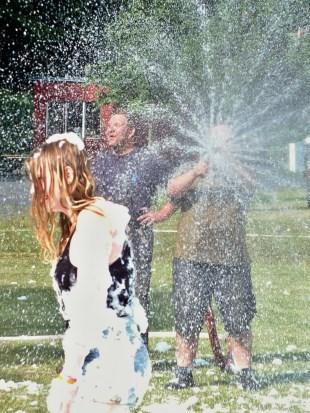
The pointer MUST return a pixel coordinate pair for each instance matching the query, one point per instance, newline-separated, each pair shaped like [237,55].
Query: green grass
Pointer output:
[280,273]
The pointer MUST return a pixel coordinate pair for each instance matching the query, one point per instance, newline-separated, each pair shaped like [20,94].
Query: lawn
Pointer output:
[278,241]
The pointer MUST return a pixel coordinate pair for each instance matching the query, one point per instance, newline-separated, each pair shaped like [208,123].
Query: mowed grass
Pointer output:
[278,241]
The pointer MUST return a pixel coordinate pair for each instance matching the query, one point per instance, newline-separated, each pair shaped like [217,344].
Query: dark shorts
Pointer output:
[194,285]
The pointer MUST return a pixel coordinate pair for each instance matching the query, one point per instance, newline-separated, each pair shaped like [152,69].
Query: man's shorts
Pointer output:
[194,285]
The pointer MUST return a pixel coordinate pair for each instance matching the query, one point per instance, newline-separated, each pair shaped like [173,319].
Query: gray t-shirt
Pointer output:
[131,179]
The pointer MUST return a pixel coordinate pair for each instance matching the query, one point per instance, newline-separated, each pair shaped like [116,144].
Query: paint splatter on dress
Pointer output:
[104,318]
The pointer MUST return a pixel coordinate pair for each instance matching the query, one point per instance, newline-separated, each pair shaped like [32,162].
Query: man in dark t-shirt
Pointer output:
[130,175]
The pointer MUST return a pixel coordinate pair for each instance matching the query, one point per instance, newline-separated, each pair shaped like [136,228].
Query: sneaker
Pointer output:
[183,379]
[248,380]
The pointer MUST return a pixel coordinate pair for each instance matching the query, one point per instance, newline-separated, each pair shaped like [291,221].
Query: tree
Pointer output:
[232,61]
[50,38]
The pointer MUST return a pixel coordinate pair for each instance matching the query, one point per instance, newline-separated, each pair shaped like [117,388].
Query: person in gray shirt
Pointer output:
[129,174]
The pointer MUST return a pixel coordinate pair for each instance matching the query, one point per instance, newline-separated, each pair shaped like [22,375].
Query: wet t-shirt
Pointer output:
[131,179]
[212,226]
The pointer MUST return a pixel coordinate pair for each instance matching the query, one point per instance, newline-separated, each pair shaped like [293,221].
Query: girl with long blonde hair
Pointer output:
[106,366]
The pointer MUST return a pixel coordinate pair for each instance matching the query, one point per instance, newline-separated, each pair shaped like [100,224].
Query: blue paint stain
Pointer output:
[141,360]
[131,330]
[105,333]
[92,355]
[132,397]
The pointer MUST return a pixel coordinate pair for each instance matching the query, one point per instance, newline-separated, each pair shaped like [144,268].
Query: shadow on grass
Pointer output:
[265,380]
[257,358]
[14,354]
[288,356]
[268,380]
[166,365]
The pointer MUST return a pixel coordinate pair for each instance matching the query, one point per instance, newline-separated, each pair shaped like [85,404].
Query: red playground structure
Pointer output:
[69,105]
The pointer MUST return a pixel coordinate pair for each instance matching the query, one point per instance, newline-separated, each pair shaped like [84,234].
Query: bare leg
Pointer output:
[185,354]
[240,349]
[185,351]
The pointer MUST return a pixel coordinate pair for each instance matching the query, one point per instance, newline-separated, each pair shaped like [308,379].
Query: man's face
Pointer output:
[117,130]
[220,138]
[221,133]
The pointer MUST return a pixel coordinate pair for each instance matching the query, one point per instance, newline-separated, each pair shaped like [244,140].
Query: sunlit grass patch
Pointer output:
[287,198]
[26,371]
[21,401]
[28,301]
[284,377]
[280,274]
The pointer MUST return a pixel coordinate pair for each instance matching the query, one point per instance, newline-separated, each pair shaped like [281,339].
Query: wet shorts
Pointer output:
[194,285]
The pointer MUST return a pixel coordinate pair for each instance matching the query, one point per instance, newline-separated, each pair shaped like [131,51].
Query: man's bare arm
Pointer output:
[181,183]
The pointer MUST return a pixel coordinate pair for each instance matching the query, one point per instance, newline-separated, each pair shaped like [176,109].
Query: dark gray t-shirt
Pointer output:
[131,179]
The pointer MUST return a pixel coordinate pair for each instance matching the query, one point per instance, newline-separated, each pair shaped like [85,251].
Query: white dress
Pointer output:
[103,348]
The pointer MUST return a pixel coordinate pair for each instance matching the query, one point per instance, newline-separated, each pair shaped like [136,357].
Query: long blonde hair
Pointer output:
[54,157]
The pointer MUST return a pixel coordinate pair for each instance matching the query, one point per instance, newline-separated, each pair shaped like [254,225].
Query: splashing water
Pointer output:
[240,66]
[236,64]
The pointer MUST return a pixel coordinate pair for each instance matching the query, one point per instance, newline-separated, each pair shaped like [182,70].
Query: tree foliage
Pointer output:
[240,62]
[50,38]
[15,122]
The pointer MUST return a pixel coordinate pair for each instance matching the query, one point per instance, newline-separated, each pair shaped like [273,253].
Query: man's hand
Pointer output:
[148,218]
[152,217]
